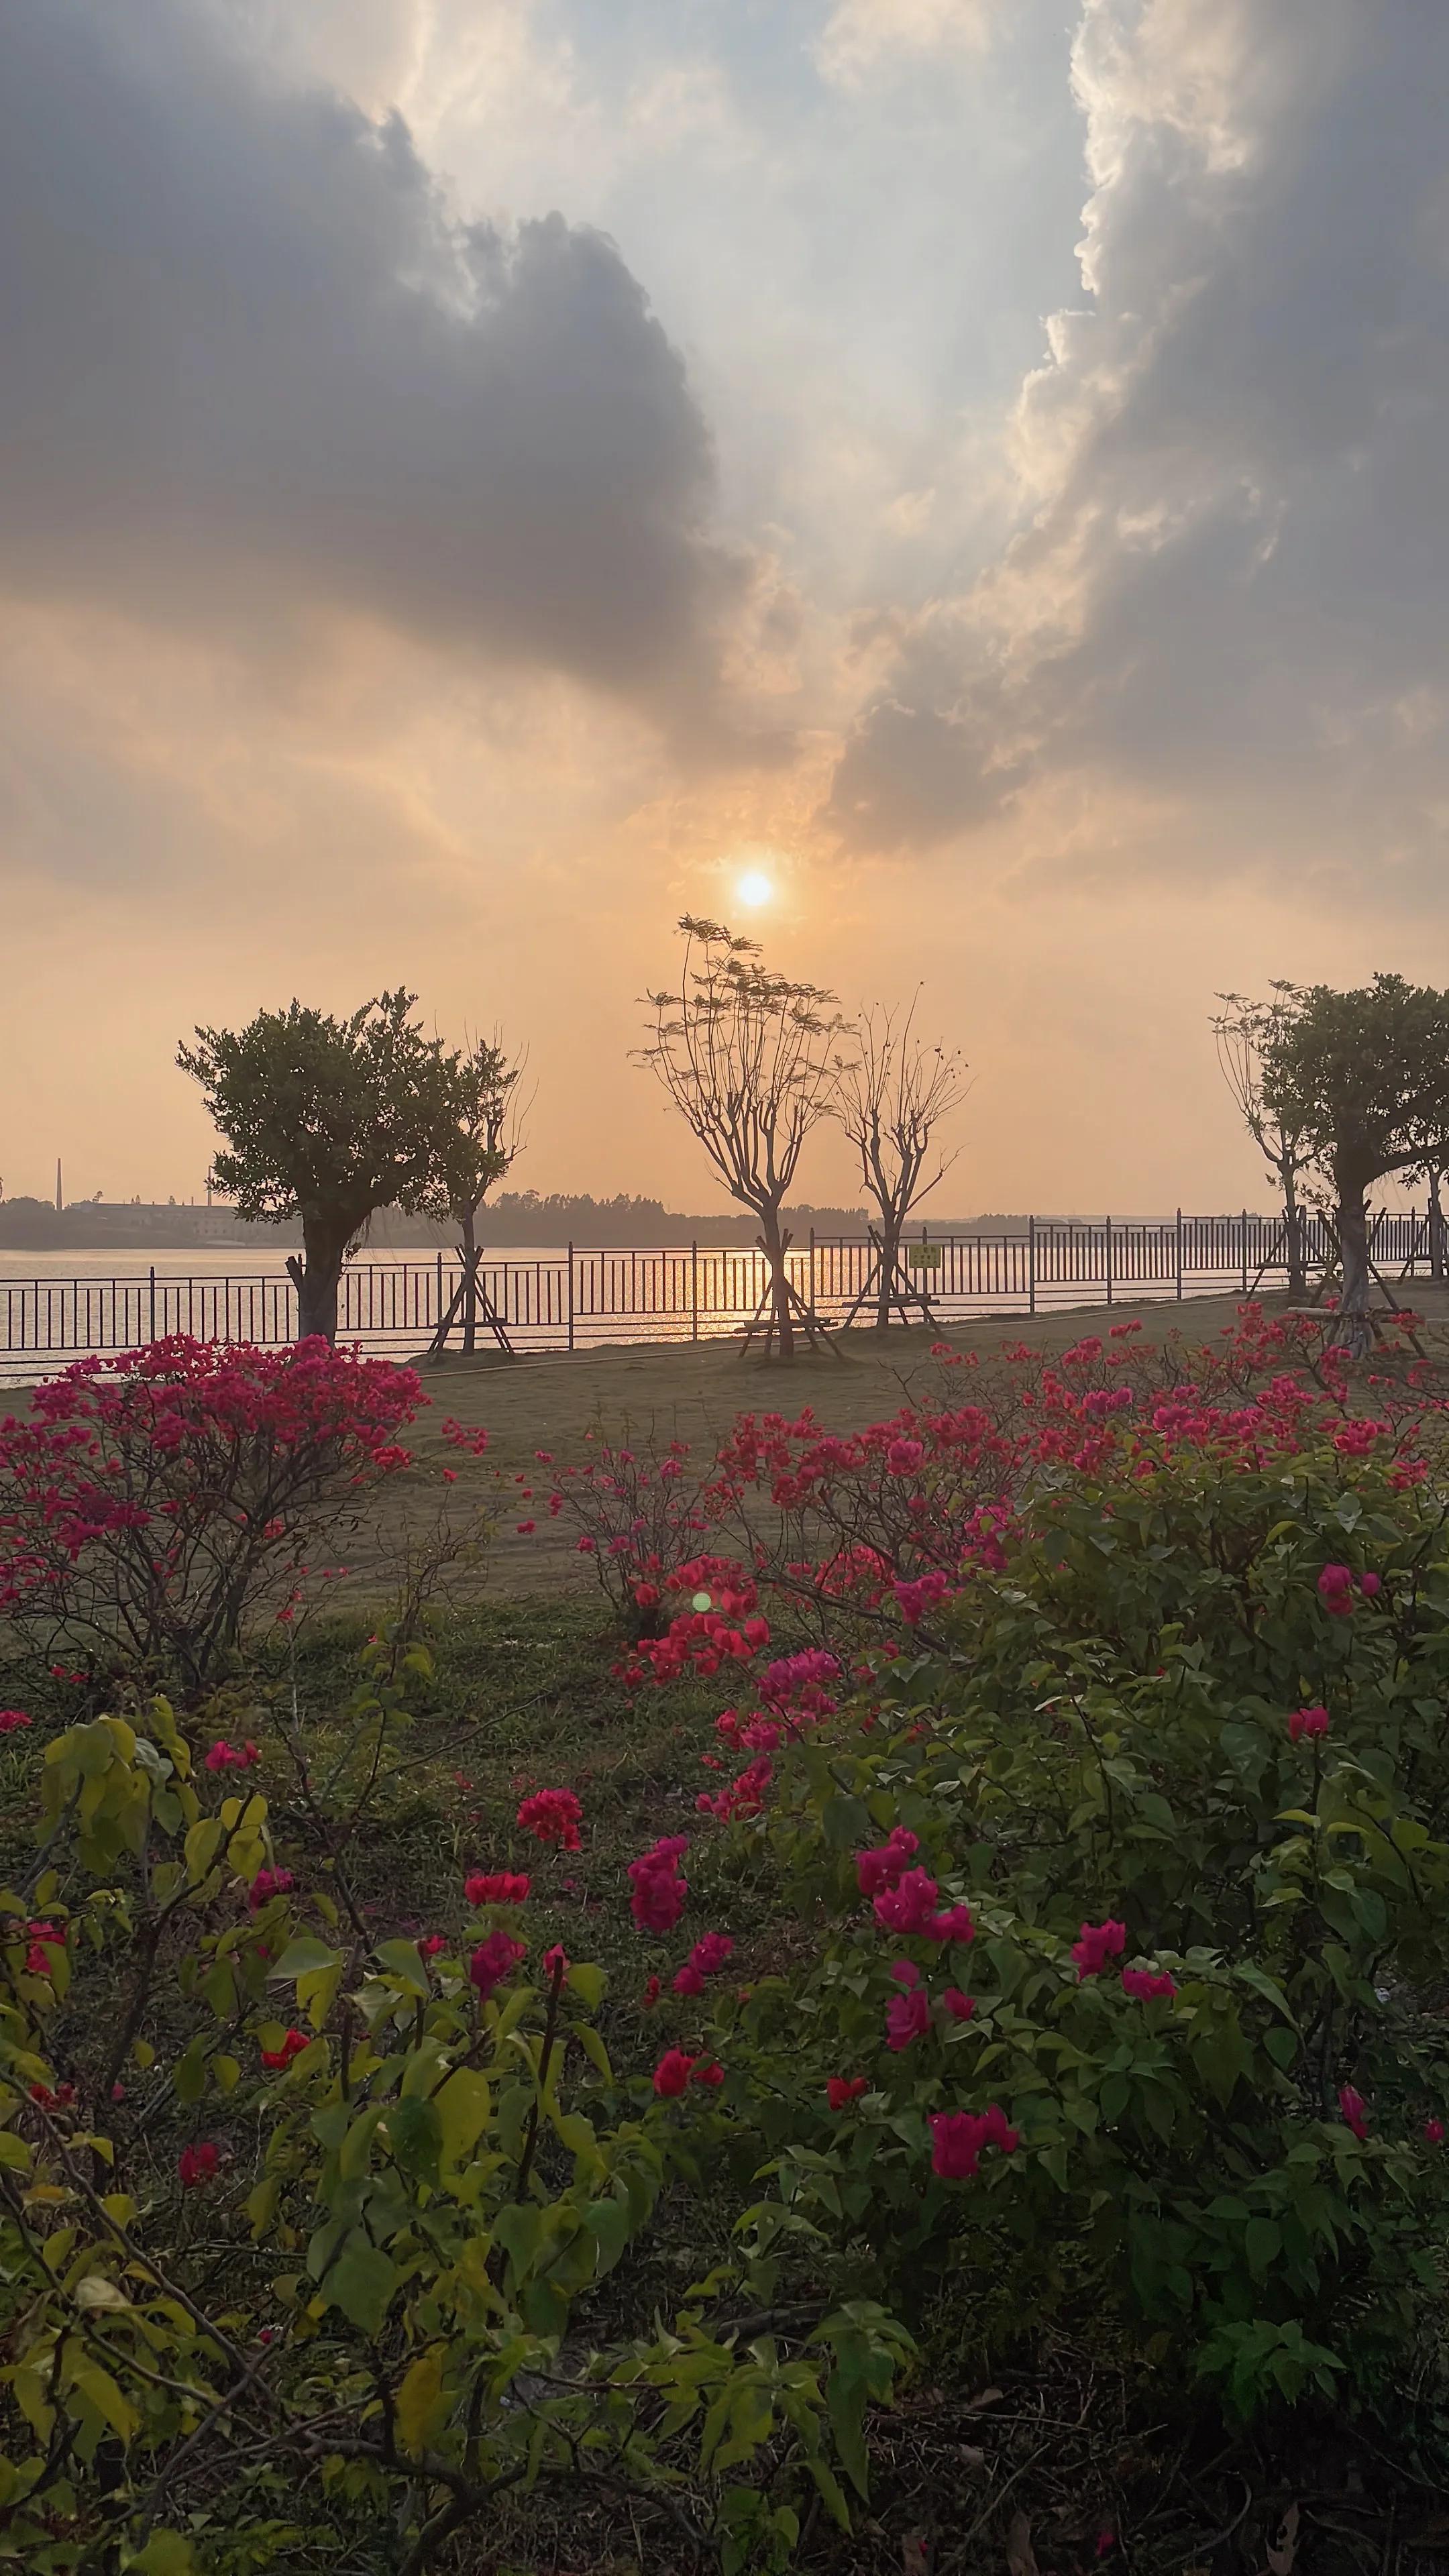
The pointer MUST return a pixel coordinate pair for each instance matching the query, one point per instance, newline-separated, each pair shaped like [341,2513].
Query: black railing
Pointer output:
[580,1297]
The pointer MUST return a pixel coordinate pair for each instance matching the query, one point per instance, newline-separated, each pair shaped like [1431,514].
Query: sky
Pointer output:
[482,478]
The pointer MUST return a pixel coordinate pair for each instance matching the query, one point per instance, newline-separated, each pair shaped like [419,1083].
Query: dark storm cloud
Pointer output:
[1230,594]
[251,366]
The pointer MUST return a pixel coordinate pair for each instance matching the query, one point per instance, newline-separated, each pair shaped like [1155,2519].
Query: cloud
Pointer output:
[1225,601]
[863,38]
[257,373]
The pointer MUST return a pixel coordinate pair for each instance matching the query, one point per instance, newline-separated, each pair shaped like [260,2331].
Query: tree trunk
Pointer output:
[890,1253]
[775,1247]
[1293,1222]
[1436,1230]
[317,1277]
[1356,1337]
[470,1282]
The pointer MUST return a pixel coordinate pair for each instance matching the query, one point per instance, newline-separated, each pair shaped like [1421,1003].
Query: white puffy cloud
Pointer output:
[1223,611]
[862,39]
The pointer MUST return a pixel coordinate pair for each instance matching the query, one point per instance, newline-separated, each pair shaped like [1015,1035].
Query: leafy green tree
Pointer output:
[328,1120]
[751,1064]
[1362,1078]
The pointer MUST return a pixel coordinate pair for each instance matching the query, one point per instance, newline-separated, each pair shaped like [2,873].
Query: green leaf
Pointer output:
[361,2282]
[608,2223]
[415,2137]
[401,1960]
[518,2228]
[167,2553]
[588,1983]
[304,1954]
[463,2107]
[418,2408]
[1262,2243]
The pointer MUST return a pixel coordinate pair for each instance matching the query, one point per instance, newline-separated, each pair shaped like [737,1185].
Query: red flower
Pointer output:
[198,2164]
[959,2006]
[958,2137]
[292,2046]
[231,1757]
[11,1718]
[1098,1942]
[496,1887]
[1145,1988]
[432,1943]
[1354,2109]
[651,1994]
[888,1863]
[556,1960]
[711,2074]
[1335,1591]
[493,1960]
[672,2074]
[1307,1721]
[552,1816]
[908,2017]
[1434,2133]
[842,2090]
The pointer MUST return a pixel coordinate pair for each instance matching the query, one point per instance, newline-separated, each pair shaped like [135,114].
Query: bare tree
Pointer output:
[1245,1033]
[490,1111]
[750,1061]
[892,1099]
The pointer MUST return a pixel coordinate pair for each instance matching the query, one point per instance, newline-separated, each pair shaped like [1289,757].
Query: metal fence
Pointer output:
[581,1297]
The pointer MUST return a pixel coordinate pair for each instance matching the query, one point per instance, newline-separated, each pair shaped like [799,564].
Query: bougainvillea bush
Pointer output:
[1124,1911]
[155,1501]
[305,2235]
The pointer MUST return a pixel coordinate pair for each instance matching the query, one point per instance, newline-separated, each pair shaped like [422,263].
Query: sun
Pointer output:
[754,889]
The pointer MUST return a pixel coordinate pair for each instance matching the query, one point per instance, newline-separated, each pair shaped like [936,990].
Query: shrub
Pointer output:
[156,1500]
[1127,1901]
[400,2171]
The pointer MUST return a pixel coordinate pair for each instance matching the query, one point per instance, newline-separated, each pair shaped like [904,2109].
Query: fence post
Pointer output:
[151,1336]
[1245,1252]
[1031,1265]
[1108,1245]
[1179,1256]
[812,1270]
[694,1292]
[571,1296]
[438,1317]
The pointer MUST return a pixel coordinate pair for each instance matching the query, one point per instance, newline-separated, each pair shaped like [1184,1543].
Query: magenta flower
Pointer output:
[1353,2109]
[888,1863]
[1145,1988]
[908,2018]
[958,2137]
[1307,1721]
[493,1960]
[1097,1943]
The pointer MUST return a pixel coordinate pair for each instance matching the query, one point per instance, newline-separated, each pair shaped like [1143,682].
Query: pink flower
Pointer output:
[43,1938]
[908,2018]
[231,1757]
[705,1960]
[1307,1721]
[1353,2109]
[496,1887]
[586,1547]
[432,1944]
[1369,1584]
[1434,2133]
[552,1816]
[556,1960]
[658,1891]
[842,2090]
[711,2074]
[1098,1943]
[958,2137]
[198,2164]
[650,1995]
[909,1905]
[493,1960]
[958,2005]
[887,1865]
[11,1718]
[672,2074]
[1335,1591]
[525,1527]
[266,1884]
[1145,1988]
[903,1457]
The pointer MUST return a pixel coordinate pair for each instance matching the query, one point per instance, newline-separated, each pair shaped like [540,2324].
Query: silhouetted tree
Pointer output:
[750,1061]
[490,1139]
[1244,1033]
[893,1096]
